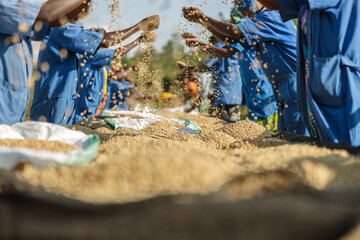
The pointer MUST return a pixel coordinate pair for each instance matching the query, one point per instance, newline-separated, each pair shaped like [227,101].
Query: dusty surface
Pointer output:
[157,161]
[52,146]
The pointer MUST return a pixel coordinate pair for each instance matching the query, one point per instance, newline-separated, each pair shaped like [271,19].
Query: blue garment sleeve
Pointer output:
[18,17]
[237,46]
[211,61]
[102,57]
[289,9]
[214,60]
[263,28]
[76,39]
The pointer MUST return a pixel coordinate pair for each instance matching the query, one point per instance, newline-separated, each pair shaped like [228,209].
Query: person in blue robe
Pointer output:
[119,91]
[57,89]
[73,86]
[328,65]
[21,22]
[95,77]
[120,88]
[239,65]
[274,44]
[227,84]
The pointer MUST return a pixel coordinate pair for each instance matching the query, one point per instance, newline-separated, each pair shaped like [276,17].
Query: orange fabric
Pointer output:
[104,99]
[102,105]
[192,87]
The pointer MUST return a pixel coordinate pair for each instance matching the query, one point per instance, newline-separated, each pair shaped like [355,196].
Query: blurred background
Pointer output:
[158,61]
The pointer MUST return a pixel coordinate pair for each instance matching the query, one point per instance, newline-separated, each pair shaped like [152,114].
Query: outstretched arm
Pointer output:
[121,51]
[223,38]
[194,14]
[113,38]
[146,37]
[184,66]
[219,36]
[229,30]
[147,24]
[121,75]
[225,52]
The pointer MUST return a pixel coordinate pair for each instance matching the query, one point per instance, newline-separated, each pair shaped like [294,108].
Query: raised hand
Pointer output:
[193,14]
[181,65]
[194,42]
[188,35]
[130,80]
[150,23]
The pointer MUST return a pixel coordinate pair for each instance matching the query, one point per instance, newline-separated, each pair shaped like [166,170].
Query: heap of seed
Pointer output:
[135,165]
[217,139]
[165,129]
[41,145]
[245,130]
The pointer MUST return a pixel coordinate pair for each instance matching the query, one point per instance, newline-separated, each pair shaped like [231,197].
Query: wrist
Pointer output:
[202,44]
[205,20]
[137,27]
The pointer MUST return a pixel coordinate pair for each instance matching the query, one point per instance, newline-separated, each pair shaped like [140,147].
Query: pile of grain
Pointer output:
[245,130]
[130,169]
[164,129]
[217,139]
[132,165]
[41,145]
[206,123]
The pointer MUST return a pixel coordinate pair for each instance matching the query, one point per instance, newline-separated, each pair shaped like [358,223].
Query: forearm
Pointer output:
[223,38]
[270,4]
[121,51]
[122,75]
[229,30]
[216,51]
[113,38]
[201,68]
[53,10]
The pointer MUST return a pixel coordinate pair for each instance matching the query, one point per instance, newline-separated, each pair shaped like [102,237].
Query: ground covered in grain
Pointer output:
[159,160]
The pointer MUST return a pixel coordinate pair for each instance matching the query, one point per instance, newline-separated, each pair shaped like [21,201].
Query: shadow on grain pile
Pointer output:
[300,216]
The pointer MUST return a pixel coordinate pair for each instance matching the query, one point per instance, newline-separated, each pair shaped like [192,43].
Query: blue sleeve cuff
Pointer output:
[95,44]
[103,57]
[246,40]
[237,46]
[76,39]
[211,61]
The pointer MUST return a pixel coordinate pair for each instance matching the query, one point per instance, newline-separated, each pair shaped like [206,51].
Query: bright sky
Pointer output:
[169,10]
